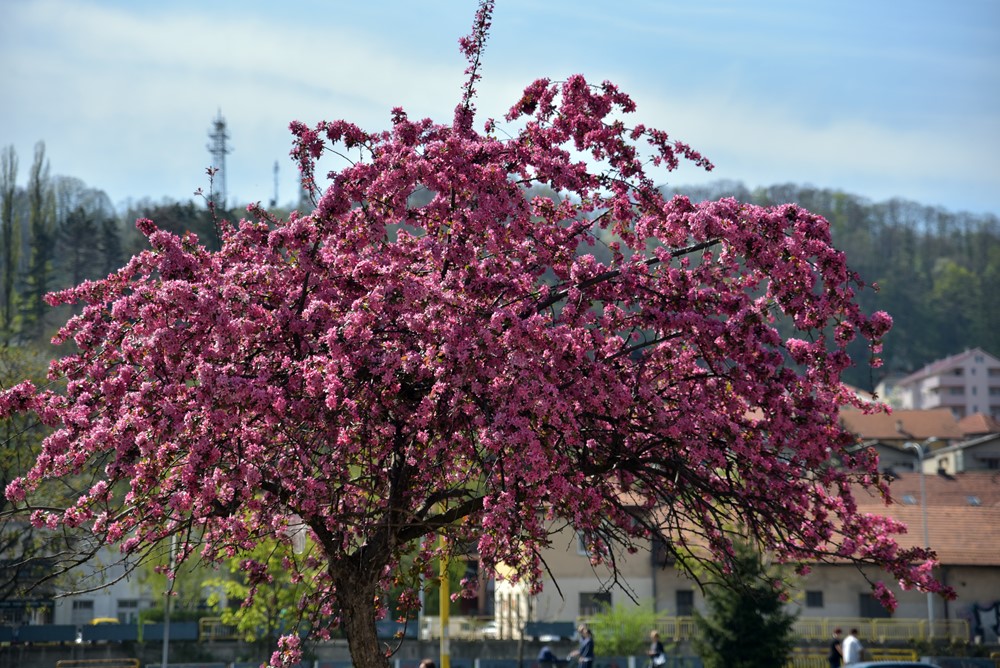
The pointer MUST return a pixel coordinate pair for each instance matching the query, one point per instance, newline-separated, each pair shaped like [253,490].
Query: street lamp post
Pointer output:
[919,449]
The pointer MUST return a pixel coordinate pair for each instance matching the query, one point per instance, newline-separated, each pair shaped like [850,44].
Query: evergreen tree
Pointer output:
[112,255]
[41,222]
[77,241]
[747,625]
[8,239]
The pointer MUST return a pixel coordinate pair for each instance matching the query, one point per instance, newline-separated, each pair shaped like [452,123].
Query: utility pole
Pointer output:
[920,449]
[219,149]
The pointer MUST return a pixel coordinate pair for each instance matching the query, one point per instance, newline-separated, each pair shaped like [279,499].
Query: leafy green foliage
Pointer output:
[623,630]
[23,549]
[260,610]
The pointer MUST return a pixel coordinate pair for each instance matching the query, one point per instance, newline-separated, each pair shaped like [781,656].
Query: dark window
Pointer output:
[814,599]
[685,602]
[661,554]
[871,608]
[594,603]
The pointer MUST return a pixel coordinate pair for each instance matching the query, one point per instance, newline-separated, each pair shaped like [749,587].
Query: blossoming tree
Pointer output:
[385,373]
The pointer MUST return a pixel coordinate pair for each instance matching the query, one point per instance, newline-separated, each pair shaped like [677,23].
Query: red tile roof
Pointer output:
[978,424]
[963,515]
[916,425]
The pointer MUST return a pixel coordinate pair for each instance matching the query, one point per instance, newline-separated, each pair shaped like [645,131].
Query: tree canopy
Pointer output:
[386,372]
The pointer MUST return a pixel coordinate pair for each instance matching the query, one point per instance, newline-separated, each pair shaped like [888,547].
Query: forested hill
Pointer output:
[938,271]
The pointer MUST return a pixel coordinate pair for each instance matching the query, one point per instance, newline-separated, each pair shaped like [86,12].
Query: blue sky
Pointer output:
[876,97]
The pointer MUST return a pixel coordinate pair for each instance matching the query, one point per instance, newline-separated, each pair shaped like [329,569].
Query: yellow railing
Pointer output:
[675,628]
[814,657]
[891,654]
[98,663]
[881,630]
[874,631]
[212,628]
[808,658]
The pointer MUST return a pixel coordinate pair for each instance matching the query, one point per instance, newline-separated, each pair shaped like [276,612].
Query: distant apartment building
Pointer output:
[966,383]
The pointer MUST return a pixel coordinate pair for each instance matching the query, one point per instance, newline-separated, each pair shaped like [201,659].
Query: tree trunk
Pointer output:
[357,603]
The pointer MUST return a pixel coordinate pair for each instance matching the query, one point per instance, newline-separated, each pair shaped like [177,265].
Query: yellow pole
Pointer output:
[444,604]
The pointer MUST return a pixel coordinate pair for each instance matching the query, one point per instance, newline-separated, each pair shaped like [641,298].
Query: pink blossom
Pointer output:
[469,369]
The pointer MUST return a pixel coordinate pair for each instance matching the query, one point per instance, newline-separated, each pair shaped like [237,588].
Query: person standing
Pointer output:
[656,653]
[585,652]
[836,657]
[852,648]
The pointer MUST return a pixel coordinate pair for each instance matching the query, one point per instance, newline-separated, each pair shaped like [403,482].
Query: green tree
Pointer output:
[41,225]
[172,216]
[112,255]
[261,605]
[24,553]
[747,625]
[623,630]
[76,237]
[9,240]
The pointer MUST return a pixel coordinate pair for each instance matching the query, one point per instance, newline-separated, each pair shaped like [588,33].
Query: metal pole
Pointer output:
[927,542]
[919,448]
[166,609]
[444,602]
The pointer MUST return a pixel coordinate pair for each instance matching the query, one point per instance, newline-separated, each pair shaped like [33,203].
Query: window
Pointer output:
[814,599]
[991,463]
[83,611]
[128,610]
[685,602]
[594,603]
[958,371]
[660,553]
[995,391]
[956,390]
[871,608]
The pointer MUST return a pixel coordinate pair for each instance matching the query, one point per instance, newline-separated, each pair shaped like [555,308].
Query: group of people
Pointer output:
[846,651]
[843,651]
[584,653]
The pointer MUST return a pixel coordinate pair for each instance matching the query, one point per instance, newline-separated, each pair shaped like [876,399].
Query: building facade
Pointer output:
[966,383]
[963,526]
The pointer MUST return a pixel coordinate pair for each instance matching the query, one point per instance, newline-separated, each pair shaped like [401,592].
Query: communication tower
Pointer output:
[219,149]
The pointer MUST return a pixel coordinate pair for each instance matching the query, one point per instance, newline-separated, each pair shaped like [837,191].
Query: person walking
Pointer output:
[851,648]
[836,657]
[657,657]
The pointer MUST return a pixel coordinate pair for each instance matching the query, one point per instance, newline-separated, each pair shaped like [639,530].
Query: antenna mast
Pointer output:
[219,148]
[274,201]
